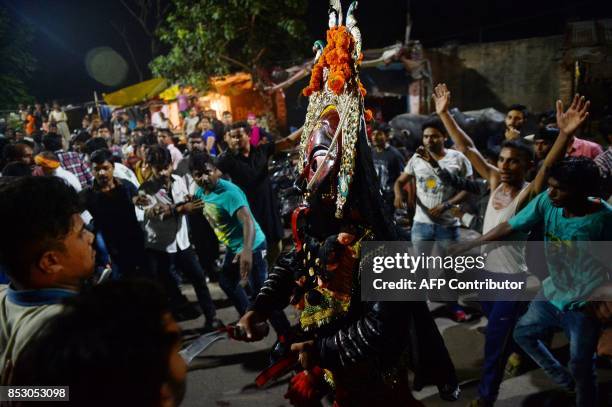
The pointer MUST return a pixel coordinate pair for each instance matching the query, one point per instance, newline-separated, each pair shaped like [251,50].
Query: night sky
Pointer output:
[65,31]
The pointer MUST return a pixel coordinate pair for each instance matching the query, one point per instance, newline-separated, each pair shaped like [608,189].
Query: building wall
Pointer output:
[498,74]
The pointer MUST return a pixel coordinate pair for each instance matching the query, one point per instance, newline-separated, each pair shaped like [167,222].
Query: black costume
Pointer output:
[365,348]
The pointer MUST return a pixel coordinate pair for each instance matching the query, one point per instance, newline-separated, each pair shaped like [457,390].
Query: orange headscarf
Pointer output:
[46,162]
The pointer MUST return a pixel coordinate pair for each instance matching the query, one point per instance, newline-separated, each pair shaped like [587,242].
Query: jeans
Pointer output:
[430,232]
[229,280]
[434,232]
[502,317]
[185,260]
[539,322]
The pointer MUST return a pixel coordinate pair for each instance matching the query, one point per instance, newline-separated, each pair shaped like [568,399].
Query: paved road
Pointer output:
[224,374]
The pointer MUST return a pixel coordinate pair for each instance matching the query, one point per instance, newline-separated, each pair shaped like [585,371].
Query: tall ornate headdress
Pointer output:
[335,82]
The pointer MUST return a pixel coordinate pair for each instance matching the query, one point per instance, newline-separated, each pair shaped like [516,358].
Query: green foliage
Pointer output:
[16,63]
[216,37]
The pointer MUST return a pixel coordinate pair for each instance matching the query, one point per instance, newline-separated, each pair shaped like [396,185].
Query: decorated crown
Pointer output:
[335,82]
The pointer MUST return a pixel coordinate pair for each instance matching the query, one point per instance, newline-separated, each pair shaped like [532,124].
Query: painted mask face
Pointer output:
[321,156]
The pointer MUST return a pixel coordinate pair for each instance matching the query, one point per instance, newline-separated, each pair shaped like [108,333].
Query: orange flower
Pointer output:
[337,58]
[336,83]
[368,115]
[362,89]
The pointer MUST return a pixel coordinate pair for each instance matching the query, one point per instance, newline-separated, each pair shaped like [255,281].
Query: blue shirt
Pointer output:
[221,207]
[574,272]
[205,136]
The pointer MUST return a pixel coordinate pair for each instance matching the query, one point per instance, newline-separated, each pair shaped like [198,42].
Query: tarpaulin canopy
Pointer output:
[170,94]
[138,93]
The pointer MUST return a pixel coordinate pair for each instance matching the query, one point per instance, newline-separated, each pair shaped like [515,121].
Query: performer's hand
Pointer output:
[441,97]
[307,354]
[248,322]
[245,260]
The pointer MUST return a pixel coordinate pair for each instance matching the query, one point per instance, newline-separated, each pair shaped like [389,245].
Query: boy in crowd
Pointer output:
[227,210]
[165,139]
[167,236]
[248,168]
[543,141]
[569,214]
[388,163]
[509,193]
[46,252]
[70,160]
[514,121]
[111,203]
[119,335]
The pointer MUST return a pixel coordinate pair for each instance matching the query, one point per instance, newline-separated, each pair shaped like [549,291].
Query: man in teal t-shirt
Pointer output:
[227,210]
[571,218]
[223,205]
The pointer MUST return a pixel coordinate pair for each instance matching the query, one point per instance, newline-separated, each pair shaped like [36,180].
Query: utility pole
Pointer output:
[408,24]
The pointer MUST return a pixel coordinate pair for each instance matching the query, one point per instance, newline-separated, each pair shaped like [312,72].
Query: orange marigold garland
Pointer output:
[337,58]
[362,89]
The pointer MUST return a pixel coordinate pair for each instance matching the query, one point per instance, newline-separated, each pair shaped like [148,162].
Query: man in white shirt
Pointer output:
[433,220]
[433,197]
[166,233]
[159,120]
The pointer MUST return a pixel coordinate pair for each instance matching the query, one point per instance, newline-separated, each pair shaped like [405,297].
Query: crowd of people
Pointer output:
[154,203]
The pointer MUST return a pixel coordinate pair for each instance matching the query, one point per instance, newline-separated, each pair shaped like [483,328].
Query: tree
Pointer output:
[16,63]
[211,37]
[149,14]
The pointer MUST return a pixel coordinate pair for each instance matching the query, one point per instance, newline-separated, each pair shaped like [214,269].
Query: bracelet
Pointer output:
[447,205]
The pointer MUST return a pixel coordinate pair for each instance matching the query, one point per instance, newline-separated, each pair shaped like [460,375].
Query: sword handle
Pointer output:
[237,331]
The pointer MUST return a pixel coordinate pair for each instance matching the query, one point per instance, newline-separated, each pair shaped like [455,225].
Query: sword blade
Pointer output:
[201,344]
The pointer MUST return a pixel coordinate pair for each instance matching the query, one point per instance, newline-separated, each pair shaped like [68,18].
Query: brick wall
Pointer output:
[499,74]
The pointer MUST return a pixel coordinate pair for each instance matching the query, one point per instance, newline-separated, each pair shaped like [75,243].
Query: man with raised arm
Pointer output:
[509,193]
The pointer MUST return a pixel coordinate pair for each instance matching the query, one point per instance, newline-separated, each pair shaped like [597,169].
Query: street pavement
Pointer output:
[224,374]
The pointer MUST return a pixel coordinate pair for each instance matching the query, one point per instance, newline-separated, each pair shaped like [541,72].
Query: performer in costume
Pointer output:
[359,350]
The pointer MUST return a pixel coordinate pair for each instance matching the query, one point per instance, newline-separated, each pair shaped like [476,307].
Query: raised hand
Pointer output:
[441,97]
[575,115]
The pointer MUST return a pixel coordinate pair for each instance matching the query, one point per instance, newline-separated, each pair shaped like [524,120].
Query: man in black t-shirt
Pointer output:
[248,168]
[388,163]
[111,204]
